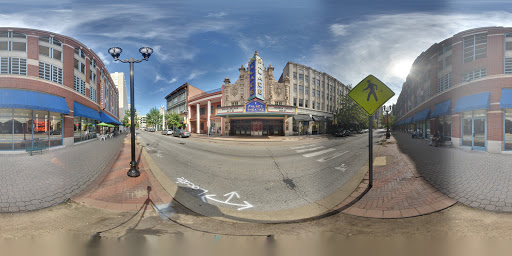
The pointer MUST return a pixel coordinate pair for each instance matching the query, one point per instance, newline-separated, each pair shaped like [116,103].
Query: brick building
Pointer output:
[52,89]
[462,87]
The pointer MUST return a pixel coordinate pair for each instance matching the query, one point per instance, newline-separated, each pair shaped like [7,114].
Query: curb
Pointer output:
[325,207]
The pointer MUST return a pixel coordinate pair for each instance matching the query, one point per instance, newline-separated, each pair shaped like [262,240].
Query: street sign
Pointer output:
[370,94]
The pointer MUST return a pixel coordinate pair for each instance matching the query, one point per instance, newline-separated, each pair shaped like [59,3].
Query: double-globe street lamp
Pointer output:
[388,135]
[146,52]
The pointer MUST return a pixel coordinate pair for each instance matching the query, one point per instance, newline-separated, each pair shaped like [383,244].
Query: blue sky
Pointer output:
[202,42]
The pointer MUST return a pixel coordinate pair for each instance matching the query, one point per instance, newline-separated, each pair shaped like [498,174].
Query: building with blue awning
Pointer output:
[51,91]
[468,89]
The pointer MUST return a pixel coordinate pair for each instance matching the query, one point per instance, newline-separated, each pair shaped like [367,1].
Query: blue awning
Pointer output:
[442,109]
[108,119]
[83,111]
[13,98]
[506,98]
[408,120]
[422,115]
[473,101]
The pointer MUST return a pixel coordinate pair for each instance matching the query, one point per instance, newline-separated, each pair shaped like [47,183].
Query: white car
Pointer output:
[167,132]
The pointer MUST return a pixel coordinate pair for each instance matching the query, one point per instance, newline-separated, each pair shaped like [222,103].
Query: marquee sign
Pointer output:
[228,110]
[256,79]
[255,106]
[282,109]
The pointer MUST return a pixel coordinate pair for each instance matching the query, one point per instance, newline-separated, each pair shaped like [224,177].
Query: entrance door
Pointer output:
[256,128]
[474,130]
[479,133]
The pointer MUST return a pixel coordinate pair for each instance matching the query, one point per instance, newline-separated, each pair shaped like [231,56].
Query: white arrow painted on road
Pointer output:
[341,168]
[231,194]
[244,206]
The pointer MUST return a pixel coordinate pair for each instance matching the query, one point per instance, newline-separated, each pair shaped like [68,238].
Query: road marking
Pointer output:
[341,168]
[337,154]
[230,195]
[304,146]
[308,149]
[319,152]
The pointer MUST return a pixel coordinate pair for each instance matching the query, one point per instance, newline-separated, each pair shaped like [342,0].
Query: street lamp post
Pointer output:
[387,121]
[146,52]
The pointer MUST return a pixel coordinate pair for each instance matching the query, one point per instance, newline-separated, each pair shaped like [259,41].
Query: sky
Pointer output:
[203,42]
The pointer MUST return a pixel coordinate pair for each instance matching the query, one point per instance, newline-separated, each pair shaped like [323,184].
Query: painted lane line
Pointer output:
[304,146]
[244,206]
[323,159]
[308,149]
[319,152]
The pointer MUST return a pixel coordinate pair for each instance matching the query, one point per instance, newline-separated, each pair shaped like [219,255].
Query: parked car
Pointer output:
[181,133]
[346,133]
[338,133]
[167,132]
[151,129]
[360,131]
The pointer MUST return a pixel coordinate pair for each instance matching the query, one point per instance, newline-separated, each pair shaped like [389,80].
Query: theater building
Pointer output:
[53,89]
[462,87]
[256,104]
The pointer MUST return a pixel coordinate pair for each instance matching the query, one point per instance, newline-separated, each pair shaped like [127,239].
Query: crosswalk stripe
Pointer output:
[309,149]
[319,152]
[337,154]
[304,146]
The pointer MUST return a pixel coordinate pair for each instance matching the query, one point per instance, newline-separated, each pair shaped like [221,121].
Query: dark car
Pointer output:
[181,133]
[346,133]
[338,133]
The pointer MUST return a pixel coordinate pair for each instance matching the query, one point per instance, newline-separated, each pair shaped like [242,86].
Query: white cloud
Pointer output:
[387,45]
[216,14]
[104,58]
[339,29]
[196,73]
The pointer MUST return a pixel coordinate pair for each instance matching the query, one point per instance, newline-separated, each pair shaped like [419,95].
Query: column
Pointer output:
[189,128]
[208,117]
[198,122]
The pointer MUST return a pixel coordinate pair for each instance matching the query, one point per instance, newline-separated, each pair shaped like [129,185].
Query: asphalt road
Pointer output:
[267,176]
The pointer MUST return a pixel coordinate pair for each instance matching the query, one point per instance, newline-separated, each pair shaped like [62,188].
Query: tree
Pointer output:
[350,114]
[153,117]
[390,120]
[127,118]
[173,120]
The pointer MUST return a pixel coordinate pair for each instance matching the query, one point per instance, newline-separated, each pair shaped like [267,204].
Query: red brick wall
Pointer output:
[68,58]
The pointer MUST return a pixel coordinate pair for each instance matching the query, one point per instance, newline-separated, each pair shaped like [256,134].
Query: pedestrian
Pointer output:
[435,138]
[415,134]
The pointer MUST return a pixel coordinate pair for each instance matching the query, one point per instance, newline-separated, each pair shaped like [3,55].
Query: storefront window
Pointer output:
[22,131]
[77,128]
[508,129]
[41,131]
[55,129]
[447,128]
[467,129]
[6,129]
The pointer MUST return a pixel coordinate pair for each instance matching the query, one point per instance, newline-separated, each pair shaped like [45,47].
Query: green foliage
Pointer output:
[154,117]
[173,120]
[350,114]
[126,118]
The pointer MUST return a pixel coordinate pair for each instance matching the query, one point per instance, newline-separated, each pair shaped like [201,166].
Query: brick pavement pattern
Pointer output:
[114,190]
[398,190]
[478,179]
[43,180]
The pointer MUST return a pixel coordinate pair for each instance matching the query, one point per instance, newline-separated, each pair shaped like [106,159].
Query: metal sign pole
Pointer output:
[370,151]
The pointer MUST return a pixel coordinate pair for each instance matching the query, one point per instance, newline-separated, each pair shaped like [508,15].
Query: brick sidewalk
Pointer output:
[398,190]
[114,190]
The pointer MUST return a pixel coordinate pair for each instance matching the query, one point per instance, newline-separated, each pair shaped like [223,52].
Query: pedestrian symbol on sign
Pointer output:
[372,88]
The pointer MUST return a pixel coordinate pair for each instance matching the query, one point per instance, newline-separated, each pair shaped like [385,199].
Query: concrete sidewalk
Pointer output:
[43,180]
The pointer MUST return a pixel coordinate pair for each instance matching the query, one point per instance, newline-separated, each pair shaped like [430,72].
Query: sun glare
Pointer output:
[401,68]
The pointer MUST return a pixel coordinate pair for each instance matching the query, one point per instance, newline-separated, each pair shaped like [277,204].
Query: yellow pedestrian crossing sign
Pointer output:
[370,94]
